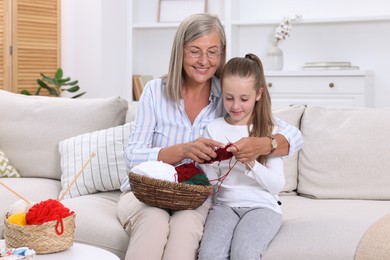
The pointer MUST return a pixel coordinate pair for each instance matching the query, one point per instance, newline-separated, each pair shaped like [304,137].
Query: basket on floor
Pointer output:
[167,194]
[42,238]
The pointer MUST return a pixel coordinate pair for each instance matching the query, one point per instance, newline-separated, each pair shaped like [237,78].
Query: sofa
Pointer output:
[336,192]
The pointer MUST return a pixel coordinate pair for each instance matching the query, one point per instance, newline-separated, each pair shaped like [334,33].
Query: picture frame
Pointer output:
[176,10]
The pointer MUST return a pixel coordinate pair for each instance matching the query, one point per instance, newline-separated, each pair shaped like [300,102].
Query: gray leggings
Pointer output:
[238,233]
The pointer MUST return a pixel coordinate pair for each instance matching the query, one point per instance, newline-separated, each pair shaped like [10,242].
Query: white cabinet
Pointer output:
[321,88]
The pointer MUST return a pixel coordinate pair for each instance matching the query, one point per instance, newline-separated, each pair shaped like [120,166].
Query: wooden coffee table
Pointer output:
[76,252]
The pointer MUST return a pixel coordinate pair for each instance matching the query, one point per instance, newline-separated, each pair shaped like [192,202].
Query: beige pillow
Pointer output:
[346,154]
[291,115]
[31,127]
[6,169]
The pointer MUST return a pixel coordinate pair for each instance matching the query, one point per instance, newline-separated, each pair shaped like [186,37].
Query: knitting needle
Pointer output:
[14,192]
[77,175]
[250,167]
[228,139]
[273,195]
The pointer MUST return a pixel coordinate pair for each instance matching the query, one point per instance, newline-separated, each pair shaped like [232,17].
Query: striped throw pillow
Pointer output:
[6,169]
[104,172]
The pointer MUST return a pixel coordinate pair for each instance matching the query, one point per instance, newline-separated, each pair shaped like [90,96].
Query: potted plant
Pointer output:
[59,84]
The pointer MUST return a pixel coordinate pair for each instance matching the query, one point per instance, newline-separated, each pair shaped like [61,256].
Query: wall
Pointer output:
[94,46]
[96,38]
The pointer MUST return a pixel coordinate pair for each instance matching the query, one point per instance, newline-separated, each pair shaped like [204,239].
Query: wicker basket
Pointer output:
[167,194]
[42,238]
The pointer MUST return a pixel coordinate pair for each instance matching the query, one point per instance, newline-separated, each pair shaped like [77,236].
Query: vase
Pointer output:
[275,58]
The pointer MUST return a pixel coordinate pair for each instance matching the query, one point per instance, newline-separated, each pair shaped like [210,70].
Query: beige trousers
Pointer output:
[156,235]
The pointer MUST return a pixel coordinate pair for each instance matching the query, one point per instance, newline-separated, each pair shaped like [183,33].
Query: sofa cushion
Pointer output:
[131,112]
[32,126]
[104,172]
[6,169]
[323,229]
[346,153]
[97,222]
[291,115]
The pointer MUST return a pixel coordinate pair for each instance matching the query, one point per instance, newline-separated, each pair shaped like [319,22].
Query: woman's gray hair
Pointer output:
[190,29]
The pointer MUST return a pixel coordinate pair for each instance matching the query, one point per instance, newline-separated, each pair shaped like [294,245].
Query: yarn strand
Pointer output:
[222,154]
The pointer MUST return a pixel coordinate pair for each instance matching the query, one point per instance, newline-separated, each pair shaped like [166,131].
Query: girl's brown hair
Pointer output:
[262,119]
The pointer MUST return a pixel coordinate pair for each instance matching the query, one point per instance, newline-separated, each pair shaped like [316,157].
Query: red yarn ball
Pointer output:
[46,211]
[186,171]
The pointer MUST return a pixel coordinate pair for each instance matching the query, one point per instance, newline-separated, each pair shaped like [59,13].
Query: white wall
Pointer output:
[94,46]
[96,39]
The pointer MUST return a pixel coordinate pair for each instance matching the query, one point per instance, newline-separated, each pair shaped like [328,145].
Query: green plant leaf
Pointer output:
[79,95]
[38,91]
[72,89]
[59,74]
[62,81]
[25,92]
[51,90]
[72,83]
[48,79]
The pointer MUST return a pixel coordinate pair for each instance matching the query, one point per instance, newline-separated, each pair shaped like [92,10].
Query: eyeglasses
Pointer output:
[197,53]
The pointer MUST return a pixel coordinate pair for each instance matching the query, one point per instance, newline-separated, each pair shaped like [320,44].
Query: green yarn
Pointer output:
[198,179]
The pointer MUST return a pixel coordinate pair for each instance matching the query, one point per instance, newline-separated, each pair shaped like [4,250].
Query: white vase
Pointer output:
[275,58]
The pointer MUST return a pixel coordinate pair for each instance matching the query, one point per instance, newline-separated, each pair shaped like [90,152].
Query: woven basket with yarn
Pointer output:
[42,238]
[166,194]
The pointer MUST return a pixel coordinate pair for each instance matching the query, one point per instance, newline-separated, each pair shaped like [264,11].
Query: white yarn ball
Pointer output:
[20,206]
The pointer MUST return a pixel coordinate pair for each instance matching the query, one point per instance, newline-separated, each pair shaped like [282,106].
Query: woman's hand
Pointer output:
[202,149]
[247,149]
[199,150]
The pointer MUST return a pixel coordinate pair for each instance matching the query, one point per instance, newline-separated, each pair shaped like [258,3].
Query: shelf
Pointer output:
[314,21]
[313,73]
[155,25]
[272,22]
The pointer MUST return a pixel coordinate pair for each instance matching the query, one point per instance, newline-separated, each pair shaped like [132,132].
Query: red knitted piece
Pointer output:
[187,171]
[48,210]
[222,154]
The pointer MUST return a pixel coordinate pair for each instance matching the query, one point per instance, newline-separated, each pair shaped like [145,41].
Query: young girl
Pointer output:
[245,215]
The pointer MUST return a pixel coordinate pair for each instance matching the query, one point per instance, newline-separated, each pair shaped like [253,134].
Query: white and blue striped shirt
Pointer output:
[160,123]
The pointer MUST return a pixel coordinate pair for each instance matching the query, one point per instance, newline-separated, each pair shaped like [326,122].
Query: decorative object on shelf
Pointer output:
[139,82]
[275,58]
[329,65]
[282,32]
[58,87]
[177,10]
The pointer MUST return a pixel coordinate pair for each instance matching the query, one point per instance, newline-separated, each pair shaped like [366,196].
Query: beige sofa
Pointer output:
[336,188]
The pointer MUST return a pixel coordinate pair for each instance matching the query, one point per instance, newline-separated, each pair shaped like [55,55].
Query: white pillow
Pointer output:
[105,171]
[291,115]
[346,153]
